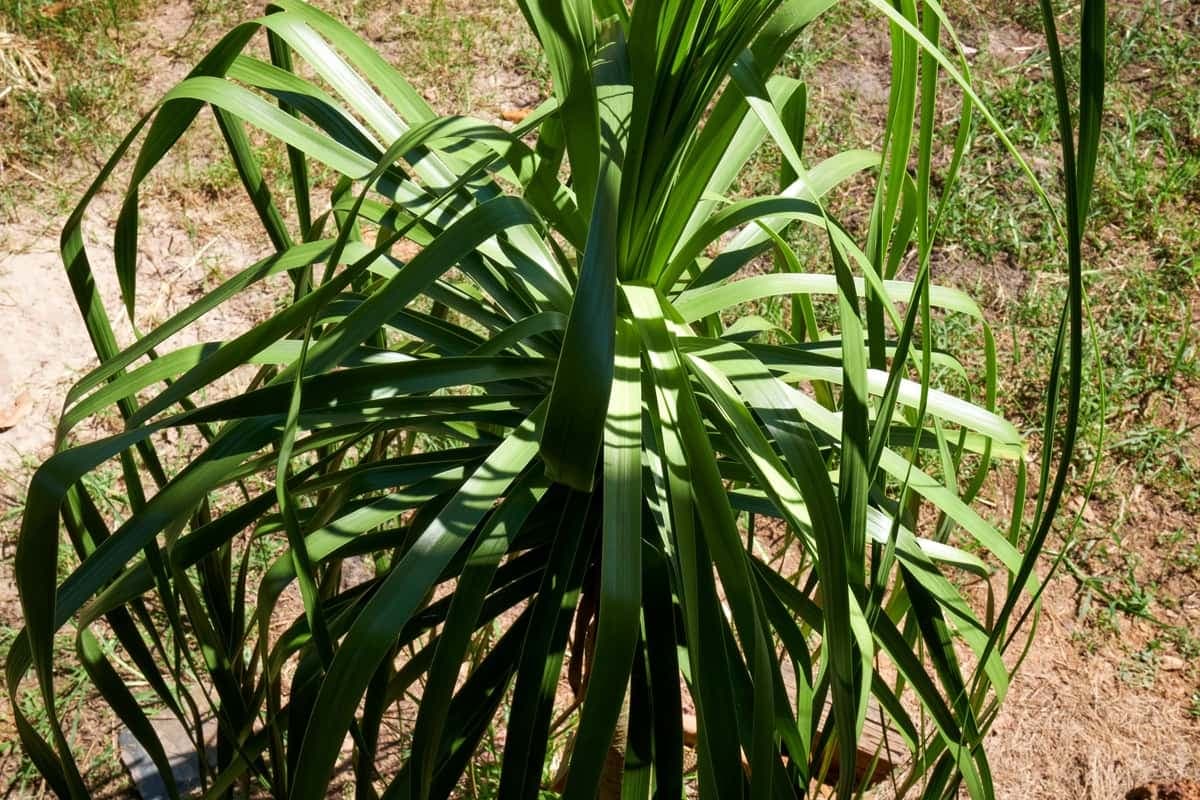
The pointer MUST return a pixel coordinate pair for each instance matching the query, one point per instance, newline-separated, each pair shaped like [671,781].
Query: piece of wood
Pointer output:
[880,749]
[180,752]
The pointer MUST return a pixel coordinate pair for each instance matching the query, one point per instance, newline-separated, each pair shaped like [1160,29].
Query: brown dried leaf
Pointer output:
[514,114]
[16,411]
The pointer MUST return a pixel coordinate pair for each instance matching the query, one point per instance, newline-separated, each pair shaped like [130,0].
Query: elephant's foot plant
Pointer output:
[555,431]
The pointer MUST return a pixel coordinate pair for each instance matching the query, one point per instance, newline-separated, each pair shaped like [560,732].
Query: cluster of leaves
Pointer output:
[553,417]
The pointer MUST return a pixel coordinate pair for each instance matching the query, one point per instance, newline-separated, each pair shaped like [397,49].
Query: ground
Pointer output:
[1109,697]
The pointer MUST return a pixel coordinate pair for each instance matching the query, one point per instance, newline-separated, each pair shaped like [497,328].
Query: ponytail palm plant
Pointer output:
[555,431]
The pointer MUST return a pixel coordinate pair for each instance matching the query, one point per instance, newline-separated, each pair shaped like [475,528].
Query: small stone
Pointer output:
[1171,663]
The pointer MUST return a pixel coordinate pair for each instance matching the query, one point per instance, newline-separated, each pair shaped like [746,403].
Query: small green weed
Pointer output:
[85,97]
